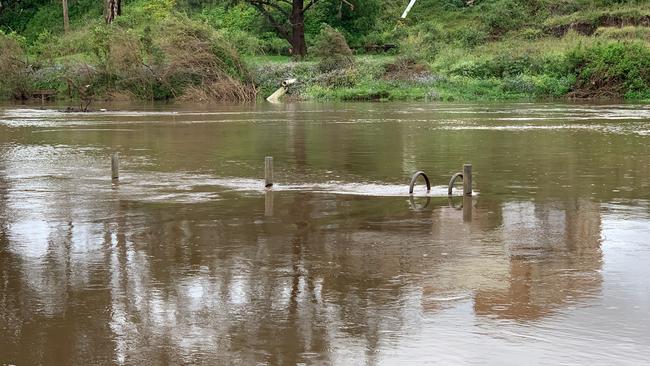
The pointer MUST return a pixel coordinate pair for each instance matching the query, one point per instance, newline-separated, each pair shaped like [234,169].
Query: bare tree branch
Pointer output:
[274,23]
[309,5]
[270,4]
[348,4]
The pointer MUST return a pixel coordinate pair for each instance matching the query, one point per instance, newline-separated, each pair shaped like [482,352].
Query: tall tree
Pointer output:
[66,18]
[287,17]
[112,8]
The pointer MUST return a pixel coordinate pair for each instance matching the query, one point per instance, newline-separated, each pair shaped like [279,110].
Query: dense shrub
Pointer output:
[467,36]
[331,49]
[14,68]
[406,68]
[273,45]
[503,15]
[505,65]
[173,58]
[353,18]
[339,78]
[268,77]
[624,33]
[612,69]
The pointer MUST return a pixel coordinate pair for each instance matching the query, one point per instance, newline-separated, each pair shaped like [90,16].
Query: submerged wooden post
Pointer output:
[115,166]
[268,172]
[467,179]
[268,203]
[467,208]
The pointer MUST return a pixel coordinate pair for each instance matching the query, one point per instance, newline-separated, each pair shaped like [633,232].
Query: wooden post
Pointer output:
[268,203]
[115,166]
[467,179]
[467,208]
[66,18]
[268,172]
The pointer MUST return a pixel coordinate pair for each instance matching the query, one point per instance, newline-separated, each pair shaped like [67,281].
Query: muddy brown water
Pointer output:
[188,260]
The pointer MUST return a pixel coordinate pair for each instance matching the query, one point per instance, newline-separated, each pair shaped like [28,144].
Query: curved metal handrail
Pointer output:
[418,207]
[415,178]
[453,180]
[457,207]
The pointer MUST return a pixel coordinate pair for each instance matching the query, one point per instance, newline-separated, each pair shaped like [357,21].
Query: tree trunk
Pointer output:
[297,21]
[66,18]
[112,9]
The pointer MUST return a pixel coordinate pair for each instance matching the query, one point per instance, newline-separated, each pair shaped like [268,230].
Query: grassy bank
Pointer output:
[154,53]
[445,50]
[574,66]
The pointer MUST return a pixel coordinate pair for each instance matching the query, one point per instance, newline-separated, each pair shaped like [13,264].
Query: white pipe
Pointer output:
[288,82]
[408,8]
[275,97]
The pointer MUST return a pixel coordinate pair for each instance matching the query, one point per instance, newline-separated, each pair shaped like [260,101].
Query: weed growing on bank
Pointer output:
[456,50]
[171,58]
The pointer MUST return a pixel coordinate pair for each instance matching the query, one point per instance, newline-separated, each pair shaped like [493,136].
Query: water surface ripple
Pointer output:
[188,259]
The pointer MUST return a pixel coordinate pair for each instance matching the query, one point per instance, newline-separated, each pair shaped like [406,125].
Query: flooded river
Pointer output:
[188,260]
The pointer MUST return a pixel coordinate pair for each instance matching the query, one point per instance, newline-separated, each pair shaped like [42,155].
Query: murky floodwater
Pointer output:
[188,260]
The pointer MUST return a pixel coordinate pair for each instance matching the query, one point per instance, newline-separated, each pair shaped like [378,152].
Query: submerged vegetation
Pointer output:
[357,50]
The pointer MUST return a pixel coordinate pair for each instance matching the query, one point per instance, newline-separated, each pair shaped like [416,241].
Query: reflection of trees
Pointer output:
[10,286]
[221,282]
[555,259]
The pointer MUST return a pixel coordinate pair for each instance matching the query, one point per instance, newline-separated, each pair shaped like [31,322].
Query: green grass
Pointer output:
[494,50]
[593,16]
[267,59]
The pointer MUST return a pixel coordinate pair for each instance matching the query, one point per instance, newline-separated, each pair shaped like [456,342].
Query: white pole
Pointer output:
[408,8]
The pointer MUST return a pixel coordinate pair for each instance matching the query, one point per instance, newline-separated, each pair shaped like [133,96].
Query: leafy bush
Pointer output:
[467,36]
[552,86]
[339,78]
[503,15]
[331,49]
[418,46]
[240,17]
[529,34]
[624,33]
[505,65]
[406,68]
[273,45]
[172,58]
[612,69]
[353,18]
[268,77]
[14,69]
[244,42]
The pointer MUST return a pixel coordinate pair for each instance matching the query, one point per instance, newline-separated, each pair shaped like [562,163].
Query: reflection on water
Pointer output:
[188,261]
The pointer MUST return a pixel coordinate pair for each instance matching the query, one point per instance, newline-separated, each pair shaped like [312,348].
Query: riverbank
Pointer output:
[485,52]
[572,67]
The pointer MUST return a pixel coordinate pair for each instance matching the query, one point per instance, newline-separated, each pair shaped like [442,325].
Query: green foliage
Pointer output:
[506,65]
[239,17]
[274,45]
[15,80]
[503,15]
[624,33]
[354,19]
[612,69]
[243,26]
[445,49]
[268,76]
[244,42]
[331,49]
[31,18]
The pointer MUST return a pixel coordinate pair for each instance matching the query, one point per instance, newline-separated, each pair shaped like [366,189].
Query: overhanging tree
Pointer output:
[112,8]
[66,18]
[287,17]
